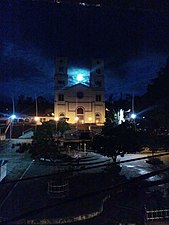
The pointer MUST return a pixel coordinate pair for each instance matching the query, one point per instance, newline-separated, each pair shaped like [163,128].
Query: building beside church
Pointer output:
[80,103]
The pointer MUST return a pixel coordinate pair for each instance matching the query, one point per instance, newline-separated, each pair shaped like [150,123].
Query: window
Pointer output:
[79,111]
[61,69]
[61,114]
[97,117]
[79,94]
[98,98]
[98,83]
[61,82]
[61,97]
[98,71]
[80,115]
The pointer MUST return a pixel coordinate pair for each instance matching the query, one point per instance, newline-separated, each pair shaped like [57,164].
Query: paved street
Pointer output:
[17,162]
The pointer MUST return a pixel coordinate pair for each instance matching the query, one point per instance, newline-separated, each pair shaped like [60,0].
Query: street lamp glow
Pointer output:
[36,118]
[79,77]
[133,116]
[56,118]
[76,118]
[13,117]
[90,119]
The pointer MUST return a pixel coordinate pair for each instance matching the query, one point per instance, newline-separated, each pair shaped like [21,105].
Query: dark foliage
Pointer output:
[117,140]
[62,126]
[27,105]
[43,139]
[157,98]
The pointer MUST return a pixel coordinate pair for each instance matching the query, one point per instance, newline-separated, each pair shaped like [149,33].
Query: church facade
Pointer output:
[79,103]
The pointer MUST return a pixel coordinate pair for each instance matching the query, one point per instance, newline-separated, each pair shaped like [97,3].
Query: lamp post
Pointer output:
[12,117]
[36,118]
[133,115]
[11,122]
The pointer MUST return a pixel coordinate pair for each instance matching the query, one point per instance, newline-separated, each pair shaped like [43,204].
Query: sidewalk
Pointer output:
[17,164]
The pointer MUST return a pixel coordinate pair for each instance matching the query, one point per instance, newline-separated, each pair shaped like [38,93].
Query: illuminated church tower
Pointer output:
[80,103]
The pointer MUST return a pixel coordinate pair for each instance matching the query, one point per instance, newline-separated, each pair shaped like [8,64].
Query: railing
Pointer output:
[159,214]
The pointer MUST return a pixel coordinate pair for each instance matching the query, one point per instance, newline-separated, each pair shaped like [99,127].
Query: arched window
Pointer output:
[61,115]
[80,114]
[79,111]
[97,118]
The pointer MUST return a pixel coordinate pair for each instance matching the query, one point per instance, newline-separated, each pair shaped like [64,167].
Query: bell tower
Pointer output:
[61,81]
[97,74]
[61,76]
[97,87]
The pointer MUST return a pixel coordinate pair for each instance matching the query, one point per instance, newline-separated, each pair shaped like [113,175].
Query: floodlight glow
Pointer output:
[13,117]
[76,118]
[90,119]
[79,77]
[133,116]
[36,118]
[56,119]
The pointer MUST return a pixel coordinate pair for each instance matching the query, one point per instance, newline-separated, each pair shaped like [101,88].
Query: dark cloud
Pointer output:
[134,75]
[133,43]
[22,63]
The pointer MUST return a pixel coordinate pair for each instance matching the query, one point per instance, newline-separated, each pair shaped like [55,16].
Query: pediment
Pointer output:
[79,87]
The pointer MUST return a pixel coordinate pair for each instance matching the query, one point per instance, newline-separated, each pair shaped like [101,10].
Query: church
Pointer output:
[80,103]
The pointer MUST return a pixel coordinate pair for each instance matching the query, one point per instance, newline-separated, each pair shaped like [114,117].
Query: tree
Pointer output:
[62,126]
[27,105]
[44,105]
[158,89]
[43,139]
[118,140]
[157,97]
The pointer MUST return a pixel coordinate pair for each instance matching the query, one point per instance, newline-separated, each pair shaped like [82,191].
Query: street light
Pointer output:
[36,118]
[56,119]
[76,118]
[133,116]
[12,117]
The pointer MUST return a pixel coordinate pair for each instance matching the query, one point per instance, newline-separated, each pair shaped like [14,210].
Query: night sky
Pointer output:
[133,43]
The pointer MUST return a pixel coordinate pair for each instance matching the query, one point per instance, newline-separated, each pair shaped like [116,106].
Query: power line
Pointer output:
[73,199]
